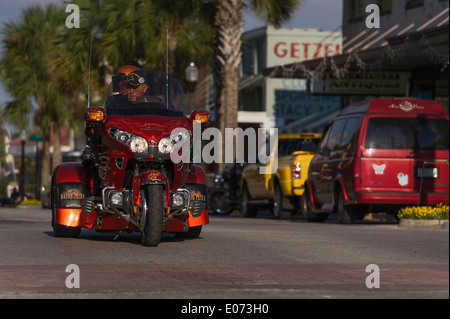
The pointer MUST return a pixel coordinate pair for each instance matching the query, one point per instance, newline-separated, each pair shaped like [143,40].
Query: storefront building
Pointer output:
[276,102]
[405,52]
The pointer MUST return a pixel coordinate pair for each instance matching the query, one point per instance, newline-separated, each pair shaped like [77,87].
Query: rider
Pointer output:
[119,81]
[142,90]
[137,86]
[120,90]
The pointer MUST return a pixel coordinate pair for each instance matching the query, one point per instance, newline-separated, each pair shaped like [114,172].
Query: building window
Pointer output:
[252,58]
[251,100]
[358,9]
[414,3]
[385,6]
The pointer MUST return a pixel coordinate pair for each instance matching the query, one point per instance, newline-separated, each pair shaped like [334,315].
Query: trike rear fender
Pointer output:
[196,176]
[70,173]
[196,184]
[69,188]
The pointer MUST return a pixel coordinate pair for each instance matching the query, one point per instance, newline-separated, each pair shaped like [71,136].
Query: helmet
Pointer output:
[121,75]
[127,69]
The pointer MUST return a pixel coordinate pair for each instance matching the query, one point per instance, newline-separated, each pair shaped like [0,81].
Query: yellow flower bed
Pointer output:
[31,202]
[424,212]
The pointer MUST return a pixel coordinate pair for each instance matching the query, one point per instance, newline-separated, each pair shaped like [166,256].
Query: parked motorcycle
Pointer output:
[134,184]
[224,196]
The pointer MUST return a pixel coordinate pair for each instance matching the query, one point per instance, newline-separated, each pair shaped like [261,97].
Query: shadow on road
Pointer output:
[371,218]
[130,238]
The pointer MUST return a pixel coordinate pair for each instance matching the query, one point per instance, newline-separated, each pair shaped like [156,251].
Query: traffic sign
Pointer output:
[36,138]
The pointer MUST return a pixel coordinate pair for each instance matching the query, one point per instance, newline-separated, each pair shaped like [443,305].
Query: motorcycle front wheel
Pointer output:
[219,204]
[154,217]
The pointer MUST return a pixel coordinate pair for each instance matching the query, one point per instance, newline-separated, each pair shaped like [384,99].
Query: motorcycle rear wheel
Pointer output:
[154,220]
[219,204]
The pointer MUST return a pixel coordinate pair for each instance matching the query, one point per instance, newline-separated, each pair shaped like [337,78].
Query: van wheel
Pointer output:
[248,210]
[346,214]
[278,198]
[305,207]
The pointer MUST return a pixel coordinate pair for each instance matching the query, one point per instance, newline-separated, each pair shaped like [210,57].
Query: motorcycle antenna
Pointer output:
[167,68]
[89,80]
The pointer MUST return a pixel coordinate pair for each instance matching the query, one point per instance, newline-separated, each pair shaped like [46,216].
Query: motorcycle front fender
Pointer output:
[150,177]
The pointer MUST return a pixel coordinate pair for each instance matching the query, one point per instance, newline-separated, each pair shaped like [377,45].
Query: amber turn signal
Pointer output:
[202,118]
[95,116]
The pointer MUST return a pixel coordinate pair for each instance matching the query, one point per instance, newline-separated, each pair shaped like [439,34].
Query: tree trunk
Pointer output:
[45,168]
[229,22]
[57,154]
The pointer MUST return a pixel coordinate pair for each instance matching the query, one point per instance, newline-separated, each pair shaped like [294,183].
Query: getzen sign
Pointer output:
[286,46]
[306,50]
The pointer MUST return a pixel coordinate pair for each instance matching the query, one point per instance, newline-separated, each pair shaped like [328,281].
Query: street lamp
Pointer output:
[23,138]
[191,81]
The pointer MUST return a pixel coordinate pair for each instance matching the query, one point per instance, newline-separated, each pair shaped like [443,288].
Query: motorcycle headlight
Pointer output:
[182,137]
[136,143]
[167,144]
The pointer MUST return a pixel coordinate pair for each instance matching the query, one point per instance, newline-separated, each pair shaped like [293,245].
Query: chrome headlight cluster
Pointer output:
[136,143]
[167,144]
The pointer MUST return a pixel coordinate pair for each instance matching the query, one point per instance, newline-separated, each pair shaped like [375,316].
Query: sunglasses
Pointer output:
[132,86]
[119,77]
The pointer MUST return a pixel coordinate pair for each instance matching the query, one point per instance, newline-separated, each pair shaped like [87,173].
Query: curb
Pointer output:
[416,223]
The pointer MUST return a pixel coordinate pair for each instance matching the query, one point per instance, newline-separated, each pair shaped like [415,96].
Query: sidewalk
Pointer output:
[415,223]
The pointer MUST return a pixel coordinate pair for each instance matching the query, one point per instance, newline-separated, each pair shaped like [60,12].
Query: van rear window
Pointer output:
[419,133]
[289,146]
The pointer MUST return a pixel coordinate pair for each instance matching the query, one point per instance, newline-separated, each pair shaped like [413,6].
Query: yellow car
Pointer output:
[280,190]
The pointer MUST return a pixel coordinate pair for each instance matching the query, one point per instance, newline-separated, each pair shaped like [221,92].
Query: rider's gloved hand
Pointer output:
[87,157]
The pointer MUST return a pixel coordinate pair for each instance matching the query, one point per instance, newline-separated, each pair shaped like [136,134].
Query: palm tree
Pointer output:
[229,23]
[137,32]
[70,55]
[25,73]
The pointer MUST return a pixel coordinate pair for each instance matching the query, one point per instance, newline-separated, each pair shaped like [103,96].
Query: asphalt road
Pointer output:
[234,258]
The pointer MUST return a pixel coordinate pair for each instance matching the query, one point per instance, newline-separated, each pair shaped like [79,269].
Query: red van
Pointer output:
[379,156]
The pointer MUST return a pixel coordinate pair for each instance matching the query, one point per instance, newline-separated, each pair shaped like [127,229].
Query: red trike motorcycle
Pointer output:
[142,178]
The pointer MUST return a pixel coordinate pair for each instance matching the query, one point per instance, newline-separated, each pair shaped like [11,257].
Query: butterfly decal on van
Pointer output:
[379,169]
[402,179]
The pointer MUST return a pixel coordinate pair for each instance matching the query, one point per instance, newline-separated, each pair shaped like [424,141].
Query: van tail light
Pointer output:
[357,171]
[297,171]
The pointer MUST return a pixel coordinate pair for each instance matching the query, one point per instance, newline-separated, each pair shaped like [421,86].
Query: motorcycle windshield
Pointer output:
[164,97]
